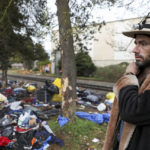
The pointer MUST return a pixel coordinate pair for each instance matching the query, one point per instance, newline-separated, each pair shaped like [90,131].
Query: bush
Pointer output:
[110,73]
[44,62]
[36,69]
[84,64]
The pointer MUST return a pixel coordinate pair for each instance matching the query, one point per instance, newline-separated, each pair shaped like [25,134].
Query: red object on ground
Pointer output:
[29,100]
[4,141]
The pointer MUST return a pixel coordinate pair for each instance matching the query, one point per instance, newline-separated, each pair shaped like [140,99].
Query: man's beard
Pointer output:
[143,64]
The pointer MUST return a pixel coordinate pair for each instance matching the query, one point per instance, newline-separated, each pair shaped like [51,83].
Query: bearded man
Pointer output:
[129,125]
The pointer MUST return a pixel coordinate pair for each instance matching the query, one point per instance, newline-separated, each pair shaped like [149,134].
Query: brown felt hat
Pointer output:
[142,28]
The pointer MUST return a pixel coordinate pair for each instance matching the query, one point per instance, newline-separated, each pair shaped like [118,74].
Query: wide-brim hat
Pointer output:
[133,33]
[142,28]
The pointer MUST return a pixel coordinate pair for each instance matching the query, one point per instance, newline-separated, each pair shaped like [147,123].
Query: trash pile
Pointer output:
[26,108]
[24,118]
[100,102]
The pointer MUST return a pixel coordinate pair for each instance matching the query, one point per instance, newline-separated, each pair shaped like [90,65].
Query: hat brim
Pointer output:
[133,33]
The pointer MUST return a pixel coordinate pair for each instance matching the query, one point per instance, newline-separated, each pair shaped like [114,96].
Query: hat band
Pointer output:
[144,26]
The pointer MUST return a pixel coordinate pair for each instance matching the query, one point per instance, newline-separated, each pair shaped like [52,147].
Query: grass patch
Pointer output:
[79,134]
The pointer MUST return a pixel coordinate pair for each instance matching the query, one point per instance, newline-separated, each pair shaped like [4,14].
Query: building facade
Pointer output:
[110,46]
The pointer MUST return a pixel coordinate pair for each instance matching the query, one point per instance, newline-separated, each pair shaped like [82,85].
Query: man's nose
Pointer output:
[136,49]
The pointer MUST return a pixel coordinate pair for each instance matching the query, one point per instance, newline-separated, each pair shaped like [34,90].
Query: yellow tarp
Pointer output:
[57,82]
[57,97]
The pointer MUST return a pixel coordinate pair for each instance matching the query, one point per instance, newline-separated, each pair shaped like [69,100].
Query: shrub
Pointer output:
[84,64]
[36,69]
[110,73]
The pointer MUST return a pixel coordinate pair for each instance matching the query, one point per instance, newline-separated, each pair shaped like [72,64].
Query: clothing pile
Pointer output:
[24,121]
[90,99]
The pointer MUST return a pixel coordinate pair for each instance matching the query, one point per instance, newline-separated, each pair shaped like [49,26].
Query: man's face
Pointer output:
[142,51]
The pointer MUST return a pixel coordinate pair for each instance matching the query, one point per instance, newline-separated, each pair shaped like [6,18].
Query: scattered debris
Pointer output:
[95,140]
[25,110]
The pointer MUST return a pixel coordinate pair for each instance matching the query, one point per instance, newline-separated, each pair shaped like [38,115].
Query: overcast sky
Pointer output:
[137,9]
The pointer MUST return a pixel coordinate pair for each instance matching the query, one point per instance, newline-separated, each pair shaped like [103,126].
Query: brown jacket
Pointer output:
[114,123]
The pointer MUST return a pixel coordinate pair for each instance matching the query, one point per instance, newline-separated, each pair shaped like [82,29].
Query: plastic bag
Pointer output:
[31,88]
[101,107]
[50,87]
[2,97]
[110,96]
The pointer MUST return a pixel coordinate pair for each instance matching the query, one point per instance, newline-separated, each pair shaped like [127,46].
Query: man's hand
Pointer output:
[132,68]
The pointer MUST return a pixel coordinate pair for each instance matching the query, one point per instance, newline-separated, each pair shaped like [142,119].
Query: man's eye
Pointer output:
[143,44]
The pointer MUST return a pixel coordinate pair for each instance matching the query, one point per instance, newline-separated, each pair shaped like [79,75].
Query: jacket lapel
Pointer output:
[114,122]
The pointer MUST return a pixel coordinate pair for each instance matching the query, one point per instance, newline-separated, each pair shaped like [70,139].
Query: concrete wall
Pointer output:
[111,46]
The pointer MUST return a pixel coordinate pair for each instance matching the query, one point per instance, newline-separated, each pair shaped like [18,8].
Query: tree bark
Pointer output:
[68,59]
[4,78]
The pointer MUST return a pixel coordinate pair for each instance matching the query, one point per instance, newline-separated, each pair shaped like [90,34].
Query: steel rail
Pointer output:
[96,85]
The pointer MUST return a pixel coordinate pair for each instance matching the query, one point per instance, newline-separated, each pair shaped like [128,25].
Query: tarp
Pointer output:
[62,120]
[98,118]
[57,97]
[106,117]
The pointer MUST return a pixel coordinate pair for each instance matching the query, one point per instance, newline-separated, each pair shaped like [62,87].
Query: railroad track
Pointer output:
[89,84]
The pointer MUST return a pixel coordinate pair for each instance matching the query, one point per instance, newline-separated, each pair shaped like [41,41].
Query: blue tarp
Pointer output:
[106,117]
[98,118]
[62,120]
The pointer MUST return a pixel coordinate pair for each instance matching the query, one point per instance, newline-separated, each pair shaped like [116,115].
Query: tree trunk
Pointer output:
[28,64]
[4,78]
[68,59]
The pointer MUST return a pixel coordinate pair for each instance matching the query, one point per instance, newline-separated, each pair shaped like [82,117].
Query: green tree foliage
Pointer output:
[17,17]
[30,52]
[84,64]
[8,36]
[40,53]
[43,62]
